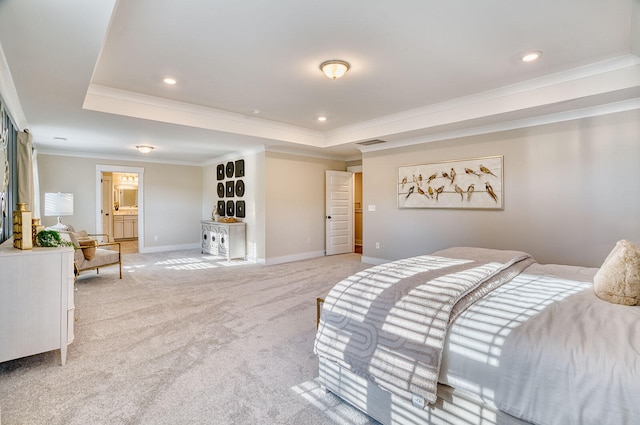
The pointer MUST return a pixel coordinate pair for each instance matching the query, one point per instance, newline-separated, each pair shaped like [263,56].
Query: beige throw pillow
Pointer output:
[618,280]
[88,246]
[76,236]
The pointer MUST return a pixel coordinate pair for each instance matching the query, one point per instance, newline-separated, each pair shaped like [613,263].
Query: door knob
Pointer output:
[329,217]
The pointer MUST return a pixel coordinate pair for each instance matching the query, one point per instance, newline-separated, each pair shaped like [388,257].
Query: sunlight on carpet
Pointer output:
[192,263]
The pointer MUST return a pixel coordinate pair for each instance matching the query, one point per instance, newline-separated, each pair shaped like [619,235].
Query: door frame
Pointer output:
[355,169]
[100,168]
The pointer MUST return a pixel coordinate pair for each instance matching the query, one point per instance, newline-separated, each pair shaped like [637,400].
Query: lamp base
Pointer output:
[60,227]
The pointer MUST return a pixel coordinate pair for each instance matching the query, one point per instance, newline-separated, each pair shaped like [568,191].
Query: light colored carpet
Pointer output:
[186,338]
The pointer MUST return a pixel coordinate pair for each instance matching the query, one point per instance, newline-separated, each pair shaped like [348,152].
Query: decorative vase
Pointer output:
[215,216]
[22,233]
[35,229]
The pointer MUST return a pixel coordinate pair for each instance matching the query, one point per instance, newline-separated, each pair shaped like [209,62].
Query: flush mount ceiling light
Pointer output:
[322,119]
[144,148]
[531,56]
[170,81]
[334,68]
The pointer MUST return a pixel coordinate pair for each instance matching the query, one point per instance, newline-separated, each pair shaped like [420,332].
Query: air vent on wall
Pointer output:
[371,142]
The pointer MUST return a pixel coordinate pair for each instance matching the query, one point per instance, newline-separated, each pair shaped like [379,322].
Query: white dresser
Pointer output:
[36,301]
[224,239]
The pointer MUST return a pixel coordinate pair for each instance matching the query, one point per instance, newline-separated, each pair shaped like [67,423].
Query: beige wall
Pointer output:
[172,197]
[295,206]
[570,192]
[569,189]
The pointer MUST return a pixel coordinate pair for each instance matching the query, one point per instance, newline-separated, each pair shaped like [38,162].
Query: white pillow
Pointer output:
[618,280]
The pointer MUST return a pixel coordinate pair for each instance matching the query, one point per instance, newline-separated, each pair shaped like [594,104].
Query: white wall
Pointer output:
[570,192]
[172,197]
[254,197]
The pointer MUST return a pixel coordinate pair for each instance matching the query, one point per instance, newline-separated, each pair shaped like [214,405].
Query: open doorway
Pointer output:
[357,212]
[120,206]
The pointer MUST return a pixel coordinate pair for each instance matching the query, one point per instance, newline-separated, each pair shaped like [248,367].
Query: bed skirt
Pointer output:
[452,407]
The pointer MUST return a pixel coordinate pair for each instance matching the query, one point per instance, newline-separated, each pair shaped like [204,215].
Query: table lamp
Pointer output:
[57,205]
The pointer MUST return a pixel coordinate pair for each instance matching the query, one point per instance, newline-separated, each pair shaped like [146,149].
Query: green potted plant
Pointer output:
[51,239]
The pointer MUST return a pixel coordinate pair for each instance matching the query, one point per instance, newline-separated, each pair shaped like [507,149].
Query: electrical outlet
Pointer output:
[377,245]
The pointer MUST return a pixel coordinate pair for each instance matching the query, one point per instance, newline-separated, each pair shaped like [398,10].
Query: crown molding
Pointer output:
[9,94]
[575,114]
[121,102]
[621,73]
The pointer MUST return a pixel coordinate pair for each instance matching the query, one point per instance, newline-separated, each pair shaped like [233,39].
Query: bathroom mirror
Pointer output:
[126,197]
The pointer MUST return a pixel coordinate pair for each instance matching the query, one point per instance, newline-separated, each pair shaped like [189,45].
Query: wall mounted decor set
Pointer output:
[230,186]
[475,183]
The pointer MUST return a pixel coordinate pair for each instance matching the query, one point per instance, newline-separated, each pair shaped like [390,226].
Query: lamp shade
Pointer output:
[58,204]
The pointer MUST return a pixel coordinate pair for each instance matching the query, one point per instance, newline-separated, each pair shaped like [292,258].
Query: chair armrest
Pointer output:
[104,235]
[111,244]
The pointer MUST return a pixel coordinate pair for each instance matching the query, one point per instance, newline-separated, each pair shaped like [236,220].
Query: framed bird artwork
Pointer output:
[475,183]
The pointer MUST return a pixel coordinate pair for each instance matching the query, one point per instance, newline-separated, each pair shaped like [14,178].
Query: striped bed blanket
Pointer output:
[389,323]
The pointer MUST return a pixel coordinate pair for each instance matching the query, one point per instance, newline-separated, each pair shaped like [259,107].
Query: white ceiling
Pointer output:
[91,71]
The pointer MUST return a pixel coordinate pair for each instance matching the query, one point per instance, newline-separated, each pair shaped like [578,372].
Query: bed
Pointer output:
[480,336]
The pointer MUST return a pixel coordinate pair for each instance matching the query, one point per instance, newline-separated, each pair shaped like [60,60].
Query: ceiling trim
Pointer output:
[607,76]
[9,94]
[611,75]
[121,102]
[120,158]
[571,115]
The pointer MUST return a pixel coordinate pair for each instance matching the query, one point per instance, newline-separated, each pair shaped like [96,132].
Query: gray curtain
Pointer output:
[12,189]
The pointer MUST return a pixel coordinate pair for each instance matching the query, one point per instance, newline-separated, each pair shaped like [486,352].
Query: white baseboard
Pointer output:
[372,260]
[163,248]
[291,258]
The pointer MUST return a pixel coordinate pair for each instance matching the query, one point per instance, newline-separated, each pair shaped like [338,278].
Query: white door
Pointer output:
[339,212]
[106,207]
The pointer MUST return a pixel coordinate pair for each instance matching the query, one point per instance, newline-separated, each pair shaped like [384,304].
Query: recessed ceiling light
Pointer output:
[322,118]
[256,111]
[169,80]
[531,56]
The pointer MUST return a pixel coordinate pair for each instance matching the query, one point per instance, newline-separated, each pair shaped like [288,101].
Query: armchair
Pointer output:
[91,254]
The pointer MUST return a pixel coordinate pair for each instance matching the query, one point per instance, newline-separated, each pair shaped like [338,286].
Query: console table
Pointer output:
[224,239]
[36,301]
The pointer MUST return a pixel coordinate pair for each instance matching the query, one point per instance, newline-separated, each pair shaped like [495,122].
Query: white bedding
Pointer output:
[545,349]
[474,343]
[542,347]
[388,323]
[582,366]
